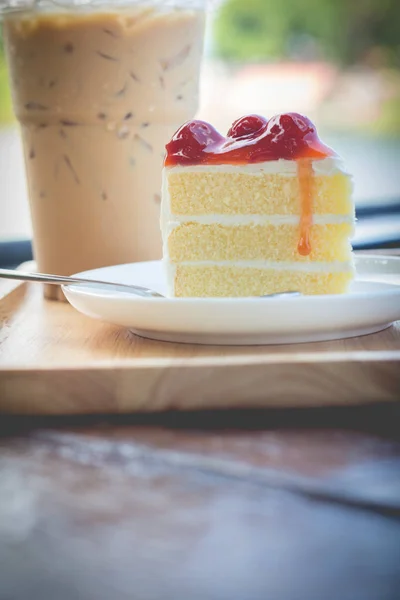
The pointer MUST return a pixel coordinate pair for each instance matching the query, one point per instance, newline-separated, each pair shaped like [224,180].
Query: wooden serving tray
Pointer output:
[54,360]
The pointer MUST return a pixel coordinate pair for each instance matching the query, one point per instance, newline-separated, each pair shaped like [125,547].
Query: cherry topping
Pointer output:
[291,135]
[290,124]
[191,141]
[247,127]
[251,139]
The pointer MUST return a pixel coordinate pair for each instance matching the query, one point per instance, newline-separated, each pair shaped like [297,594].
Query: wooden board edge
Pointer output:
[135,364]
[112,391]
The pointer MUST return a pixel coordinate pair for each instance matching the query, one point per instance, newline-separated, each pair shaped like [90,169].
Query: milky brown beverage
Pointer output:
[98,94]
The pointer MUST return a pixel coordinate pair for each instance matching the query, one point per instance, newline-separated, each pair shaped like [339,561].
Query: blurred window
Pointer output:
[338,61]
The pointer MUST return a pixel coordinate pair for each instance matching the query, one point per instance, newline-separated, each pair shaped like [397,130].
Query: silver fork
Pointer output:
[97,284]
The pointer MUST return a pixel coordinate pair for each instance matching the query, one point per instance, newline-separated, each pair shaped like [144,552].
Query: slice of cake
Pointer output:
[266,209]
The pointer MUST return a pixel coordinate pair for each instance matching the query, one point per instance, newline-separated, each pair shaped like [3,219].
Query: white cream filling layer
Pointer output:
[324,166]
[238,220]
[332,267]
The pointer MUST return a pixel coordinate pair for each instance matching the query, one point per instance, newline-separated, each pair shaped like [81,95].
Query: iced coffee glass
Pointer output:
[98,89]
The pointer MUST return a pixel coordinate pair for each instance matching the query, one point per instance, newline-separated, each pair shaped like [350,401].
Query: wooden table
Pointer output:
[252,505]
[241,505]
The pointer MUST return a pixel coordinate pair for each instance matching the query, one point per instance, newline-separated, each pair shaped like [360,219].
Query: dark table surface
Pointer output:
[273,505]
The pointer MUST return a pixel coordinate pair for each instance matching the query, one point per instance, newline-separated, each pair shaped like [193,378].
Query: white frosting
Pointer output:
[324,166]
[237,220]
[333,267]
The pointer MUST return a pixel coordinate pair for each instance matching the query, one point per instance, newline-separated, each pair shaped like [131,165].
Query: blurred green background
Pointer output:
[355,36]
[345,31]
[360,37]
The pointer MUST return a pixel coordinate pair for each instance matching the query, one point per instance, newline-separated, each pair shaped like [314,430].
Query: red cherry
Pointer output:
[290,124]
[203,133]
[247,127]
[302,123]
[290,134]
[191,141]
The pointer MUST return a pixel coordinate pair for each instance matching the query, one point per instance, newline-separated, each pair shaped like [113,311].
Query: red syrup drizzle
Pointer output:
[305,175]
[254,139]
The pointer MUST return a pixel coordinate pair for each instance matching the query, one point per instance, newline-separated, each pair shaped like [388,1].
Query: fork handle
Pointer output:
[63,280]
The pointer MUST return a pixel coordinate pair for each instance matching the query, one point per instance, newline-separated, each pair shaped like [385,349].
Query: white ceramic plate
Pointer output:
[372,304]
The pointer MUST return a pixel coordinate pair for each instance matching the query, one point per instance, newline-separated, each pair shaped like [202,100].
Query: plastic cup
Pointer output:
[98,89]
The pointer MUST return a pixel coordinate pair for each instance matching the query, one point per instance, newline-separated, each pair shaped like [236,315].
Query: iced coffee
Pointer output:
[98,93]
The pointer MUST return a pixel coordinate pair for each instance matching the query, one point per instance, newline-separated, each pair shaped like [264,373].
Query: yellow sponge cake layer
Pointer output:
[213,192]
[235,230]
[194,241]
[222,281]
